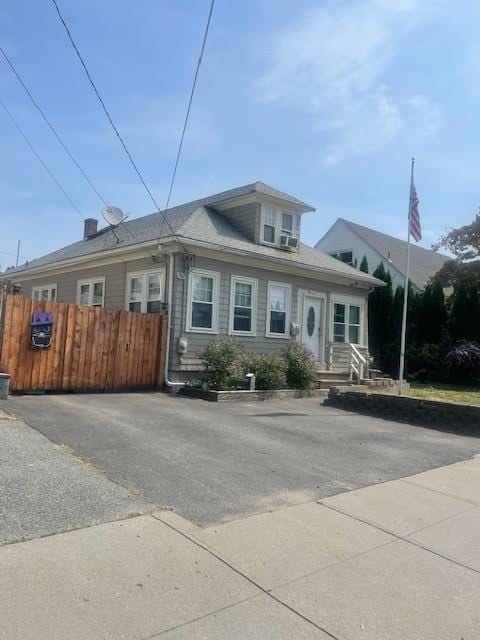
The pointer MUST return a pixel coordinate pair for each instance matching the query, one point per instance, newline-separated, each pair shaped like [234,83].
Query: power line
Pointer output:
[187,115]
[109,117]
[117,133]
[51,127]
[43,163]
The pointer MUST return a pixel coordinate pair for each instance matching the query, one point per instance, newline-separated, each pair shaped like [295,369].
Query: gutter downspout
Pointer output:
[168,382]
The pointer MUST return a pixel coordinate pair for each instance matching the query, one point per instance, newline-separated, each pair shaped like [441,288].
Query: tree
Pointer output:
[364,265]
[463,242]
[460,326]
[453,272]
[391,359]
[431,314]
[379,308]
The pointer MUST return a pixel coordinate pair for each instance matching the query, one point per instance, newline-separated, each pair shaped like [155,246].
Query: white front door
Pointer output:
[311,334]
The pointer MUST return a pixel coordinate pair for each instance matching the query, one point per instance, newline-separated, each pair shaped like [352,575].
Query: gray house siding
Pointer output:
[115,297]
[115,281]
[246,219]
[259,343]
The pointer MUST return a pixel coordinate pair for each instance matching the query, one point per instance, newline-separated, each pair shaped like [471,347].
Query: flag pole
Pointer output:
[405,293]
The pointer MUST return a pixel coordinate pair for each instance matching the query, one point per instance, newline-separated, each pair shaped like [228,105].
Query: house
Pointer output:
[228,264]
[349,242]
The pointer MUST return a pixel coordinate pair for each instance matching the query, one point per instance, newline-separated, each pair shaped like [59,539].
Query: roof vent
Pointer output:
[90,227]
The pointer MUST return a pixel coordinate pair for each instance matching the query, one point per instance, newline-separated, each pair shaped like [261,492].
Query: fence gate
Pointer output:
[92,348]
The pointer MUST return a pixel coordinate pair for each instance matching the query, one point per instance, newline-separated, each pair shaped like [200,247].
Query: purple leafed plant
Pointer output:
[464,359]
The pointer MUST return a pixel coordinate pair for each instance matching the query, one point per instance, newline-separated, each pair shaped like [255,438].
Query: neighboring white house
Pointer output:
[349,242]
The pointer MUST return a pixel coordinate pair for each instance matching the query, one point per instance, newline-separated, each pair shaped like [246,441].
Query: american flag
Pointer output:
[414,216]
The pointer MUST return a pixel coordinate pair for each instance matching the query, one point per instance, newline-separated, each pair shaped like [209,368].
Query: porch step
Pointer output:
[338,382]
[333,377]
[333,374]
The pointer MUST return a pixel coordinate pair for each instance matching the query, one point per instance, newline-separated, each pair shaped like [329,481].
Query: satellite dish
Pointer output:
[114,216]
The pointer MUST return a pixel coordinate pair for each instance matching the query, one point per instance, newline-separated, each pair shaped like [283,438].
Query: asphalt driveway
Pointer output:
[216,462]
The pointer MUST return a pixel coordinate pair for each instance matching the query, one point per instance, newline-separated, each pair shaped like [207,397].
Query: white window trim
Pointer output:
[215,300]
[46,286]
[294,233]
[144,273]
[346,300]
[254,282]
[91,282]
[268,333]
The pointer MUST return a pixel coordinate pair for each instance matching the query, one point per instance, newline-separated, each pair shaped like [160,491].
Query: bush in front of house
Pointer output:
[301,372]
[227,363]
[269,370]
[222,360]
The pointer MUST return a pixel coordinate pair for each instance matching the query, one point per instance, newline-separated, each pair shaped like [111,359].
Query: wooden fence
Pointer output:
[92,348]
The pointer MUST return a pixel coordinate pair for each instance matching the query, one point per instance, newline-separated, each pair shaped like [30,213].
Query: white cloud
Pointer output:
[336,66]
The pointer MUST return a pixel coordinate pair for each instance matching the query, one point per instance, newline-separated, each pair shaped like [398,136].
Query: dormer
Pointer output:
[263,214]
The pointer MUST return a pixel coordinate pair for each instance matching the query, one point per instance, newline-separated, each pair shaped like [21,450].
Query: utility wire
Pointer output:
[112,124]
[50,126]
[187,115]
[100,99]
[43,163]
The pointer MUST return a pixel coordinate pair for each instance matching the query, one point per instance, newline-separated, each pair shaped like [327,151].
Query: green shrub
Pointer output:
[301,372]
[269,370]
[222,360]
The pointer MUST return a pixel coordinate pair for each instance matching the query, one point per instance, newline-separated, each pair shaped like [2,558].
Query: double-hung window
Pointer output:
[287,224]
[45,292]
[243,299]
[203,301]
[278,310]
[91,292]
[269,224]
[145,291]
[346,323]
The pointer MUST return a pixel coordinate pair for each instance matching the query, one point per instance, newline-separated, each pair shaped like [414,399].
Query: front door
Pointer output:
[312,308]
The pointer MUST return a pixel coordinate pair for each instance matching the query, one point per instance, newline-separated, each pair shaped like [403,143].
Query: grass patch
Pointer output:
[448,393]
[445,392]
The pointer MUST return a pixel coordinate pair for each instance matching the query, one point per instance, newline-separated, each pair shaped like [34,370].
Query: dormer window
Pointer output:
[287,223]
[278,226]
[269,224]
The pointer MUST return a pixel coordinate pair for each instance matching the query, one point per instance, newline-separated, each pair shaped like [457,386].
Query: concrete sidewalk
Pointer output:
[395,561]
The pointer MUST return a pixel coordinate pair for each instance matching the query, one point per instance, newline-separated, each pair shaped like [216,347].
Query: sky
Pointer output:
[326,100]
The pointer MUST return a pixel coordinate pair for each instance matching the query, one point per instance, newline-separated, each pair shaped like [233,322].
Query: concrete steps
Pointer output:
[333,378]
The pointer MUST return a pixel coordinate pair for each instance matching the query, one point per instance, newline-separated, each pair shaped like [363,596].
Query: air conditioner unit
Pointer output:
[293,243]
[284,241]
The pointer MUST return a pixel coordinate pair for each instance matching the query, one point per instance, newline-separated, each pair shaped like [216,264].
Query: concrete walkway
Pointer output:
[395,561]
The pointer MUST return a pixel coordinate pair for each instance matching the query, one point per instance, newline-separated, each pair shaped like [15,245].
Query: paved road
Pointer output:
[44,489]
[219,462]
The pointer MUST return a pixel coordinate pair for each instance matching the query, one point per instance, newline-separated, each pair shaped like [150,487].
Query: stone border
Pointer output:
[253,396]
[445,416]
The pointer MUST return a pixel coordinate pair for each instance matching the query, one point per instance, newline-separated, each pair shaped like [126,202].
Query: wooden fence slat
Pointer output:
[92,348]
[68,349]
[7,332]
[28,369]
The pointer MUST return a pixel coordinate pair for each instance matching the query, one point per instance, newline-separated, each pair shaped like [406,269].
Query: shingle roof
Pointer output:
[424,263]
[207,226]
[198,221]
